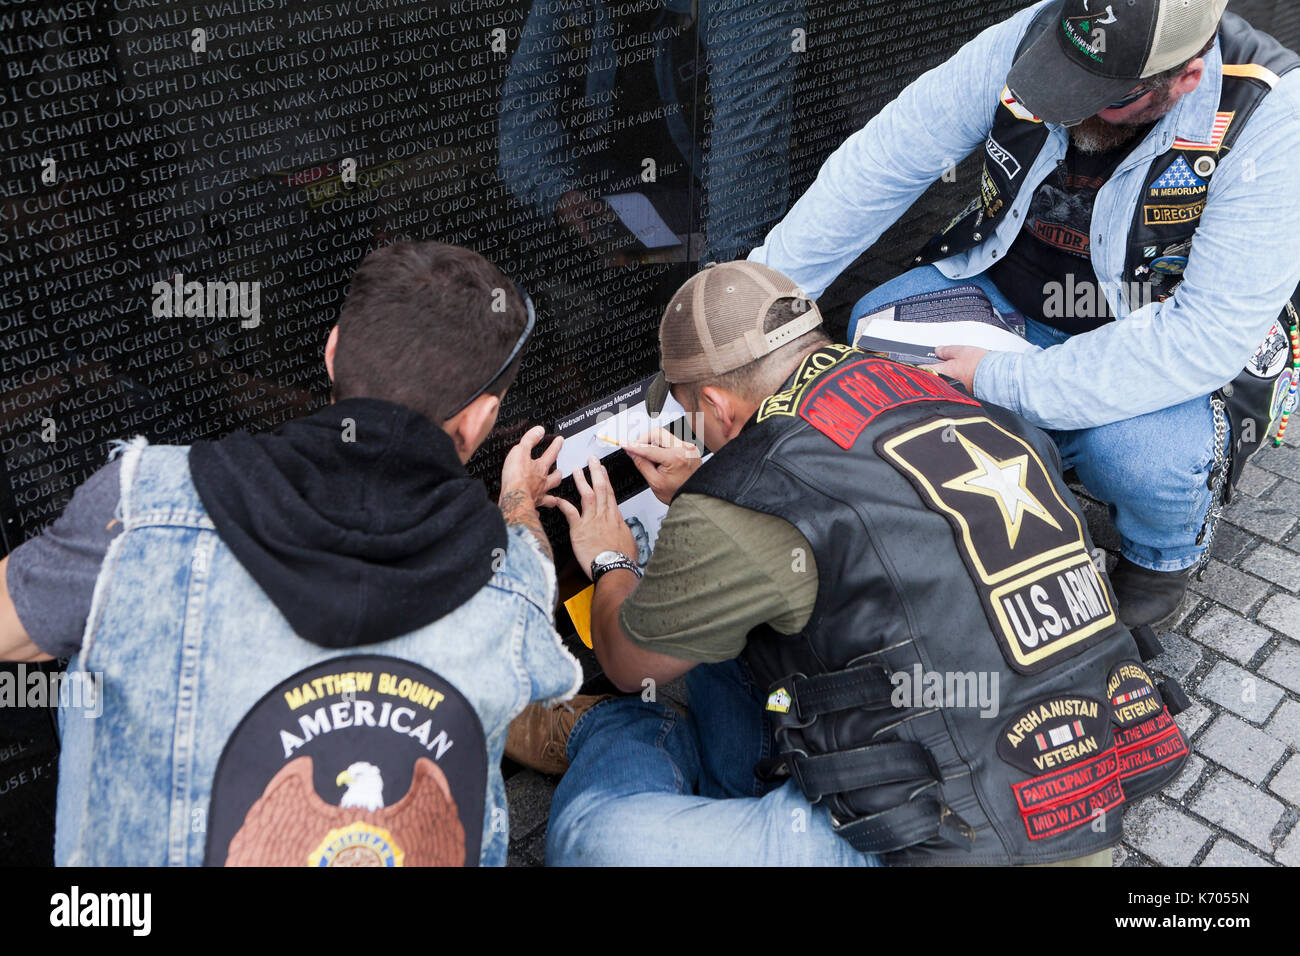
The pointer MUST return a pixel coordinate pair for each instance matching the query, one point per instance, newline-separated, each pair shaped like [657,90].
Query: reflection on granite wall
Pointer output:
[185,188]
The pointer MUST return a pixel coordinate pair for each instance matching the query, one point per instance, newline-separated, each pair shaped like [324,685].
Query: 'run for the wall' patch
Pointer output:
[842,402]
[1023,546]
[361,760]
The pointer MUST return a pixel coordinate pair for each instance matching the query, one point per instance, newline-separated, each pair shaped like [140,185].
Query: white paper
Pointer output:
[934,334]
[624,424]
[638,214]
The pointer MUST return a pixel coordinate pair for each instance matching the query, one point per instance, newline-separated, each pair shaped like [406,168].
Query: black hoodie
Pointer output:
[356,541]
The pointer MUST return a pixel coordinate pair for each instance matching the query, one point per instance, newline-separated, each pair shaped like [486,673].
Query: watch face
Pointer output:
[609,557]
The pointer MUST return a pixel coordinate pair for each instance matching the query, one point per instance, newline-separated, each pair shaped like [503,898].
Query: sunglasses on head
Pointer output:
[514,352]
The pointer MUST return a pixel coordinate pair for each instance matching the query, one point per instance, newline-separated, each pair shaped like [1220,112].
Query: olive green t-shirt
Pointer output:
[718,570]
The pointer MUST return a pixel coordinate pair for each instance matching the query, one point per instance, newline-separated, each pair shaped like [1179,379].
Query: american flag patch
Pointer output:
[1059,735]
[1221,123]
[1131,695]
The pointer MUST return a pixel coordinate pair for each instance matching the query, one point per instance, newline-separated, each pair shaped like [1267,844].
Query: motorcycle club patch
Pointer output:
[1054,733]
[841,402]
[362,760]
[1023,546]
[1133,695]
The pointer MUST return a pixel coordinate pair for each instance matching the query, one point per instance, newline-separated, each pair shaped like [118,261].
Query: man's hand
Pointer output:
[960,362]
[664,460]
[521,472]
[598,526]
[527,483]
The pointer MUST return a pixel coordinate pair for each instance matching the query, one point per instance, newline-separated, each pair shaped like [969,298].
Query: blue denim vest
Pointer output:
[187,643]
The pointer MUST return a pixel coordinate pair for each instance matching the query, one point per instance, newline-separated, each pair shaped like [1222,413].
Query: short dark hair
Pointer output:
[424,324]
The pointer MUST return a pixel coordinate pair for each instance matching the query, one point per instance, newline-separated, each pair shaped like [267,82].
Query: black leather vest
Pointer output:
[963,691]
[1165,222]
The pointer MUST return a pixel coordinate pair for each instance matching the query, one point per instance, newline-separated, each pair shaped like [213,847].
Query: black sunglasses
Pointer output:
[1130,99]
[514,353]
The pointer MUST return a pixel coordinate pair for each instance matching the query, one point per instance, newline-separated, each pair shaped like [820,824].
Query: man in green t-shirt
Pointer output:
[648,784]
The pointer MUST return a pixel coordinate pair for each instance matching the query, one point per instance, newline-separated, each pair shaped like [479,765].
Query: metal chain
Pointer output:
[1217,487]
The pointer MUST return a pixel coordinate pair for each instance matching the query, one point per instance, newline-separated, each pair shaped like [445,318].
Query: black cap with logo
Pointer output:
[1098,51]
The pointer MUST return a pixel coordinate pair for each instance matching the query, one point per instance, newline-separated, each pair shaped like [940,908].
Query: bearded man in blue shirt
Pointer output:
[1139,211]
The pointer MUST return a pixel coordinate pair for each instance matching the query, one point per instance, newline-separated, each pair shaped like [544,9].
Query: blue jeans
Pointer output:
[647,786]
[1151,470]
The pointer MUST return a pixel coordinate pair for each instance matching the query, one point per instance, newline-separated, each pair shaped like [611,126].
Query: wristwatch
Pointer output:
[608,561]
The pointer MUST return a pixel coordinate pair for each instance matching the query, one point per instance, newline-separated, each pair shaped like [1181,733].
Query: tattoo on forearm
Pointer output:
[518,509]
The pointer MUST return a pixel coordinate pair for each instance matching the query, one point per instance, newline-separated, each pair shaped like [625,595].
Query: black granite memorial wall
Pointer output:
[186,187]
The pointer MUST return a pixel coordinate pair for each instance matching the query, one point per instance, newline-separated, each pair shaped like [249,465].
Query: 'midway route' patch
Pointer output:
[1023,546]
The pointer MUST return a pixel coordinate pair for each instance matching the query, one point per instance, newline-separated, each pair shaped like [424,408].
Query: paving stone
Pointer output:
[1287,782]
[1285,495]
[1240,691]
[1167,836]
[530,851]
[1254,480]
[1179,657]
[1261,516]
[1285,725]
[1226,853]
[1235,805]
[1288,854]
[1228,634]
[1229,586]
[1193,718]
[1241,748]
[1191,772]
[1274,564]
[1282,613]
[1283,666]
[1230,542]
[529,794]
[1186,609]
[1280,461]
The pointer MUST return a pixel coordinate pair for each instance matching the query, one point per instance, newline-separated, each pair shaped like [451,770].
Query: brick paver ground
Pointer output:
[1235,648]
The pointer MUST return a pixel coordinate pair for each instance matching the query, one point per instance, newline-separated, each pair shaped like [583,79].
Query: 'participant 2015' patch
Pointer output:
[1023,546]
[361,760]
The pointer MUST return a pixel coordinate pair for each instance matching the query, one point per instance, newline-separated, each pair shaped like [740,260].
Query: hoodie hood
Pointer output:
[359,521]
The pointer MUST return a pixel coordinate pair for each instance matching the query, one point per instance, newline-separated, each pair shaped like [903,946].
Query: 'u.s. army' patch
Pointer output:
[1022,544]
[362,760]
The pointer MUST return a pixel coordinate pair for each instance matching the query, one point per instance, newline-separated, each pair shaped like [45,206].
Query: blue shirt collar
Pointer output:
[1193,118]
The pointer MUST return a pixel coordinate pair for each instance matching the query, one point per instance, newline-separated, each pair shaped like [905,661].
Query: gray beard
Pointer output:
[1095,135]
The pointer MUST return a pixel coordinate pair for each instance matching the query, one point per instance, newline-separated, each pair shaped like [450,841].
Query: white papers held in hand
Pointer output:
[915,342]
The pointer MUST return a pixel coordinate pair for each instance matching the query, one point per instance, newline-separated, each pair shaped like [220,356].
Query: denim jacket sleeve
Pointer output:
[1244,265]
[879,171]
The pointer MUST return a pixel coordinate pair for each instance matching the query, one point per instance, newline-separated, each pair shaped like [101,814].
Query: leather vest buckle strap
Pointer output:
[906,825]
[843,771]
[864,686]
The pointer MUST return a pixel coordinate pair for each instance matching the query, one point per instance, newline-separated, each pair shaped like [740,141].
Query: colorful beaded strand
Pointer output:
[1289,403]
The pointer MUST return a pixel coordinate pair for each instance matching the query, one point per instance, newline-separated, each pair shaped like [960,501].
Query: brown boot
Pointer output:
[537,737]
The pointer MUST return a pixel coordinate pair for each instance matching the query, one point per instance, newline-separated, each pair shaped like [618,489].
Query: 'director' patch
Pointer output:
[361,760]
